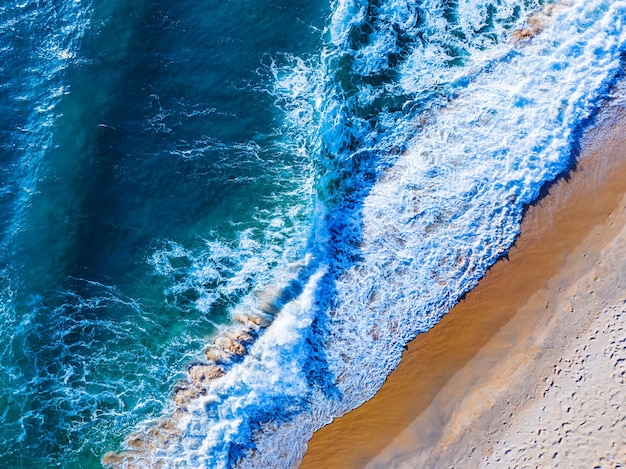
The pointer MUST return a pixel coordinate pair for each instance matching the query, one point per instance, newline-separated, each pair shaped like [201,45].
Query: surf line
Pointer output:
[150,446]
[145,446]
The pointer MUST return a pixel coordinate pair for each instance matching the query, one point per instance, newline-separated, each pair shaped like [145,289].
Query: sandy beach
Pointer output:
[529,369]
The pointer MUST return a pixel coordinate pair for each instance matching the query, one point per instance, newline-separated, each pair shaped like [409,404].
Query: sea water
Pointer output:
[163,164]
[146,188]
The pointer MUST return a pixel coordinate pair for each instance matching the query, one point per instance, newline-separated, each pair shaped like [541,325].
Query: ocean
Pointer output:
[221,222]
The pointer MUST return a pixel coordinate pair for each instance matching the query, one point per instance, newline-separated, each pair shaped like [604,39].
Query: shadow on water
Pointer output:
[343,235]
[358,143]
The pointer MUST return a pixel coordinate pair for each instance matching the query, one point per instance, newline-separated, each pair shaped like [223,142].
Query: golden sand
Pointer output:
[463,383]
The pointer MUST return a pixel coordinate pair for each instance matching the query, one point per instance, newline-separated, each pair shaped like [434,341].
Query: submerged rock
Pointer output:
[164,433]
[537,22]
[268,299]
[205,373]
[253,322]
[228,348]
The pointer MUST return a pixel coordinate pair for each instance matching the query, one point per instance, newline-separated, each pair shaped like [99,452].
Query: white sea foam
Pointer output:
[451,205]
[390,257]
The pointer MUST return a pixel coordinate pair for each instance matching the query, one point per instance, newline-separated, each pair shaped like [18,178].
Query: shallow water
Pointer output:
[164,164]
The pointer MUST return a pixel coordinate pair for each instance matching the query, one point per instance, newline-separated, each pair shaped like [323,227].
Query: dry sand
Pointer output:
[529,370]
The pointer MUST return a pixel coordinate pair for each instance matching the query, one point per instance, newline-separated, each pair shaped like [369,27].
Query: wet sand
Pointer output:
[491,384]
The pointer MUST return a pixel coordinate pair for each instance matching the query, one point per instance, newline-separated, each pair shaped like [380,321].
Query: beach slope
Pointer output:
[530,367]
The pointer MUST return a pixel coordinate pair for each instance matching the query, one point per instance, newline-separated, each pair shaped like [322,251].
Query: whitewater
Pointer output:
[418,133]
[437,126]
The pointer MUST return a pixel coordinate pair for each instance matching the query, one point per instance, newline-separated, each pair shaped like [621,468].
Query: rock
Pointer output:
[230,346]
[537,22]
[185,394]
[243,337]
[216,354]
[521,34]
[253,322]
[204,373]
[137,440]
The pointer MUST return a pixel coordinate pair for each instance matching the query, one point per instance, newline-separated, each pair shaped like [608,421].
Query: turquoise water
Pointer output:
[134,135]
[163,164]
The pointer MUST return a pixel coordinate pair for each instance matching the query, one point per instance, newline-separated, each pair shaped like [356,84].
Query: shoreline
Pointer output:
[462,384]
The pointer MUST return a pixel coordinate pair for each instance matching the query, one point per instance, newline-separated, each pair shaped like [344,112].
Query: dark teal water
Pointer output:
[143,167]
